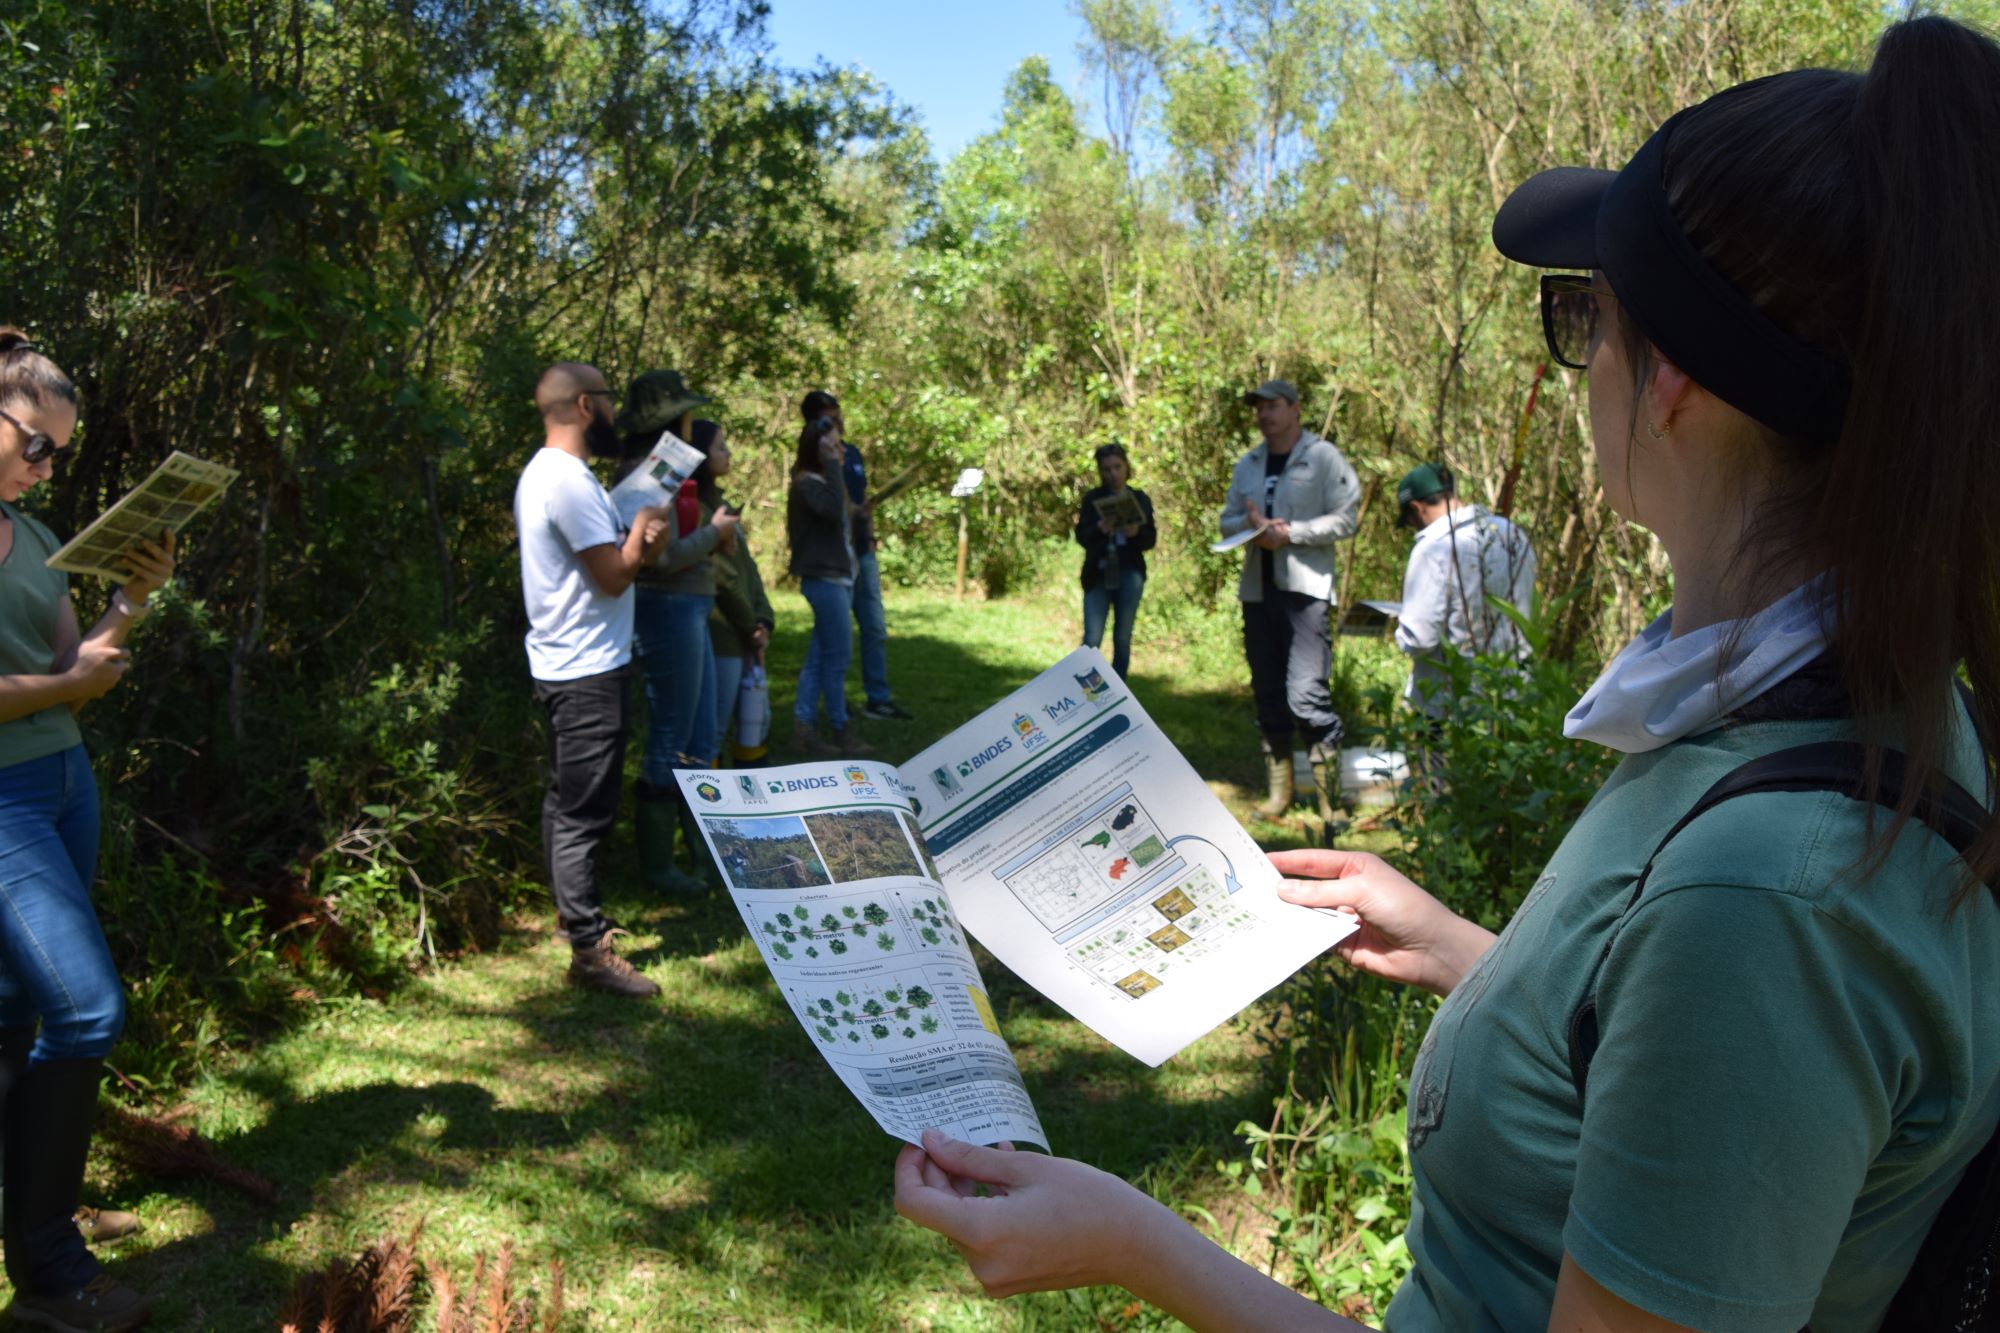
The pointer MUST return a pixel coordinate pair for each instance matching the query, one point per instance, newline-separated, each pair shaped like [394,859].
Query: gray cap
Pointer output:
[1270,389]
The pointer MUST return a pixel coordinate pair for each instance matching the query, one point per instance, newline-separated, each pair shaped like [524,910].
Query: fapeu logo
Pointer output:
[967,767]
[1061,708]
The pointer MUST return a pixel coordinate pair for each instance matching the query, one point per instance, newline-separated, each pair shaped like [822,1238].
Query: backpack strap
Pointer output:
[1837,766]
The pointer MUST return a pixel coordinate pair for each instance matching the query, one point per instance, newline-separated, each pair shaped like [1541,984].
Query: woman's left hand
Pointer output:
[152,565]
[1046,1223]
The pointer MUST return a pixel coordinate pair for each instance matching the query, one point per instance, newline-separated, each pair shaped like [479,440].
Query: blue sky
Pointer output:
[947,58]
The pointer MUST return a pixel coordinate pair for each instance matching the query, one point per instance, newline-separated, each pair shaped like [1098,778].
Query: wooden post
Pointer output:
[964,544]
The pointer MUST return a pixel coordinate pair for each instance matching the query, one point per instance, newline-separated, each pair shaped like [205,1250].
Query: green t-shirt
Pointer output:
[1796,1063]
[32,597]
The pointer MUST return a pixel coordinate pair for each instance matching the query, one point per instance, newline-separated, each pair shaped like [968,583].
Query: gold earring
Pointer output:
[1658,432]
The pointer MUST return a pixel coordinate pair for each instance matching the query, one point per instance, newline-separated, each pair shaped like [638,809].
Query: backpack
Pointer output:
[1950,1287]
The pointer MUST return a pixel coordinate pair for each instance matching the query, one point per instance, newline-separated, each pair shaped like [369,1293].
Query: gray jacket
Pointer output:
[816,523]
[1318,495]
[682,565]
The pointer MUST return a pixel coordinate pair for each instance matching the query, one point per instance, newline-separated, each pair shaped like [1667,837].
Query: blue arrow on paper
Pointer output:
[1229,880]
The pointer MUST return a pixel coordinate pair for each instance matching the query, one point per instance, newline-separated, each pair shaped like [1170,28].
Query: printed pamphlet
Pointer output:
[1122,509]
[1063,830]
[171,497]
[654,482]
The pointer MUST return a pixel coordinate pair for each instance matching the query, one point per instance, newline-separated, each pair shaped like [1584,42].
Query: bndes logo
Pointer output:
[967,767]
[807,784]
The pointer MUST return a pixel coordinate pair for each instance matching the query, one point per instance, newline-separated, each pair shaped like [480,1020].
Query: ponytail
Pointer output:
[1911,506]
[1862,213]
[26,374]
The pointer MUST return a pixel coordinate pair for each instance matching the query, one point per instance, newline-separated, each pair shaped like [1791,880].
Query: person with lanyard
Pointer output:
[1785,303]
[1297,492]
[578,560]
[61,1003]
[1465,560]
[870,617]
[1114,553]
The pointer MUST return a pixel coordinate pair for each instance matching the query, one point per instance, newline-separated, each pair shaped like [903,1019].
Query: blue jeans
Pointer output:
[874,629]
[1098,601]
[867,597]
[728,684]
[54,964]
[827,654]
[679,667]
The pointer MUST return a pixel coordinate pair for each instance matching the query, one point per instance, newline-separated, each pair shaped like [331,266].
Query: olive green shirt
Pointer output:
[32,597]
[1797,1060]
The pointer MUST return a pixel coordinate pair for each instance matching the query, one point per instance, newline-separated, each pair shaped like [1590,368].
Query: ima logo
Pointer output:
[1061,708]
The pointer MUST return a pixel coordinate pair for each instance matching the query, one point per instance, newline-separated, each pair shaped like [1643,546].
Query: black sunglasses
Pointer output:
[39,446]
[1569,316]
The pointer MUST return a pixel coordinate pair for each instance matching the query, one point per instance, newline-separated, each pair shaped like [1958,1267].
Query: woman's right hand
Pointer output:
[97,668]
[725,524]
[1406,935]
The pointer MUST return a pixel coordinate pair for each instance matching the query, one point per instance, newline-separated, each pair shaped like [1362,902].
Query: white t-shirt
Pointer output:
[574,630]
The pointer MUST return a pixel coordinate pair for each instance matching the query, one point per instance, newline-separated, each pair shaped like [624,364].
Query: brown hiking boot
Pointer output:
[848,741]
[99,1306]
[806,741]
[101,1226]
[598,968]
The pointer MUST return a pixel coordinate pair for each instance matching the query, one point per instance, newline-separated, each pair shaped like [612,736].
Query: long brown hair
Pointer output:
[1862,213]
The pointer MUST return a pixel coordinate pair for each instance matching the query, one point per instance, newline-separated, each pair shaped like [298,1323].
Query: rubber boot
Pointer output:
[50,1113]
[1325,761]
[1278,771]
[701,867]
[654,814]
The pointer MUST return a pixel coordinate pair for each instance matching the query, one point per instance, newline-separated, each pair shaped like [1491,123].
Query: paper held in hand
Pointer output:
[1063,830]
[1243,538]
[655,480]
[1122,509]
[177,491]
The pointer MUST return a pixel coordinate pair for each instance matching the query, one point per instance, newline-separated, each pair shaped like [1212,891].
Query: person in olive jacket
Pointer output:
[738,630]
[1114,553]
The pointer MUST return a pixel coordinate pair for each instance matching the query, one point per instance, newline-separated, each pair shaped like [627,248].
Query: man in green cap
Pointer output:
[1463,558]
[1297,492]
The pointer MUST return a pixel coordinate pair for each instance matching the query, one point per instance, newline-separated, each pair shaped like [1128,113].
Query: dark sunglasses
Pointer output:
[1570,305]
[39,446]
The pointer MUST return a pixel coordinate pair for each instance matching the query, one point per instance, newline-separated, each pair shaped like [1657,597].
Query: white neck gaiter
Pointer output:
[1659,688]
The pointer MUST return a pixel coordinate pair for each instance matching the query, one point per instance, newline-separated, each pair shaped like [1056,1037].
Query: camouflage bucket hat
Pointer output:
[655,401]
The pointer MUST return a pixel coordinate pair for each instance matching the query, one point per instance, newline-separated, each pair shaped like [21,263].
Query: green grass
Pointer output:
[692,1162]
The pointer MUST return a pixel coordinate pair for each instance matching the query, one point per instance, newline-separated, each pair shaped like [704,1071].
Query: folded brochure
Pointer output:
[170,498]
[659,475]
[1063,830]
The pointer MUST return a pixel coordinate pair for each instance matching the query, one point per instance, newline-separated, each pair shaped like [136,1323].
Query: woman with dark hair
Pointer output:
[1718,1072]
[672,600]
[819,522]
[1114,526]
[61,1005]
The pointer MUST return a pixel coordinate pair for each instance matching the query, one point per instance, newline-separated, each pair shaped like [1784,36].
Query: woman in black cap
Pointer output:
[1718,1072]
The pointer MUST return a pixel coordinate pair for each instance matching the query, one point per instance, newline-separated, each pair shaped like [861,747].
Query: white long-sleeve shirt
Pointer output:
[1458,561]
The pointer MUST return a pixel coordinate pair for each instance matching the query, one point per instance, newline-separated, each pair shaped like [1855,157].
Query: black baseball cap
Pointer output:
[1579,218]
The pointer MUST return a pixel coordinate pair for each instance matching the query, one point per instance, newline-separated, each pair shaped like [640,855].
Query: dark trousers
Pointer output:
[587,729]
[1288,639]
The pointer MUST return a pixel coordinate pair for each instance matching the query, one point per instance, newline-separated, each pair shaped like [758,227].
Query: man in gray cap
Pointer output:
[1298,494]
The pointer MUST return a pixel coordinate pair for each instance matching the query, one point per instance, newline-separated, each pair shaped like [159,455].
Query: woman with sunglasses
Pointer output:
[1790,320]
[61,1005]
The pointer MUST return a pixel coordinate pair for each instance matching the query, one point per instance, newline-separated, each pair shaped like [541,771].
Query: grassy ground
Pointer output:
[691,1162]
